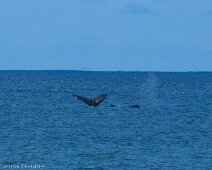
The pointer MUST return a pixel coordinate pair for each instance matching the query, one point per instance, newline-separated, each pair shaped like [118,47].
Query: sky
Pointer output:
[106,35]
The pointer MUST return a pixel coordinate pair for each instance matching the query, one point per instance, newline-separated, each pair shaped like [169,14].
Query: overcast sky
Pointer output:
[134,35]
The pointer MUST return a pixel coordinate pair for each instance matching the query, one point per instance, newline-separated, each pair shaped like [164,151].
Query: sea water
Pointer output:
[42,124]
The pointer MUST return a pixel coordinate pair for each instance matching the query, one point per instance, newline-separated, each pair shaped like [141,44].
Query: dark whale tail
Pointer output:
[93,102]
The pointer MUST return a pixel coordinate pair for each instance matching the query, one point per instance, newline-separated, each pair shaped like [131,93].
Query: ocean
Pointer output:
[42,126]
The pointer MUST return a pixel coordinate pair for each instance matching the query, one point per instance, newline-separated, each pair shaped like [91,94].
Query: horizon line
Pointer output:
[186,71]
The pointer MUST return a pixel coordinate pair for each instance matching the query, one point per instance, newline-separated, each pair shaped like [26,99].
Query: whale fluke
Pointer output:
[93,102]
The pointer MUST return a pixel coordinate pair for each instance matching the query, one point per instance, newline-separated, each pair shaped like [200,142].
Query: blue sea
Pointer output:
[42,124]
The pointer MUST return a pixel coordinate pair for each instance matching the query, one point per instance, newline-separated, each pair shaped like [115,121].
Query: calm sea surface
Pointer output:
[41,123]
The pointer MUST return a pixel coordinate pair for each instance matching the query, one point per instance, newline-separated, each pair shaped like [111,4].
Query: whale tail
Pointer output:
[93,102]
